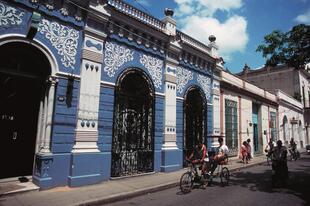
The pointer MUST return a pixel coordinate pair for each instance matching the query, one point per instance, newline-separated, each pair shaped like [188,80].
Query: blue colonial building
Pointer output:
[92,90]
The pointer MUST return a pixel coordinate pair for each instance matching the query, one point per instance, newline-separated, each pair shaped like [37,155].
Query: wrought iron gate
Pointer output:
[194,121]
[133,145]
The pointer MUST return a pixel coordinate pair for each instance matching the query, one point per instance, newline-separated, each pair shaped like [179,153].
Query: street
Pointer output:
[250,186]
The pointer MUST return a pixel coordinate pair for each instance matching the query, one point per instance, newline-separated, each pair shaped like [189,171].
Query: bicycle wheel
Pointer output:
[224,175]
[186,182]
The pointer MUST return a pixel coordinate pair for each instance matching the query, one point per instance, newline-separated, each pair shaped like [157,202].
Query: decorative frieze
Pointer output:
[154,66]
[205,83]
[9,15]
[183,77]
[63,39]
[115,56]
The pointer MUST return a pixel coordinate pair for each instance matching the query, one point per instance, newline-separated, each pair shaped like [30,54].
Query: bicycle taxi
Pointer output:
[194,177]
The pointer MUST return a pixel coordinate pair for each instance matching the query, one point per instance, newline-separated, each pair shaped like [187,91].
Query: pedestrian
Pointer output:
[244,152]
[249,149]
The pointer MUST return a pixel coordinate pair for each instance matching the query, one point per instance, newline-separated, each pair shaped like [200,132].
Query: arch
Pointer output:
[195,122]
[8,38]
[145,75]
[133,124]
[23,89]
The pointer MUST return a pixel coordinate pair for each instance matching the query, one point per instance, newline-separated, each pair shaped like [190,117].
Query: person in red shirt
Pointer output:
[244,152]
[199,155]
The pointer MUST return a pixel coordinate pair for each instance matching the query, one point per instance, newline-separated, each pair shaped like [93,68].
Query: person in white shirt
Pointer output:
[221,155]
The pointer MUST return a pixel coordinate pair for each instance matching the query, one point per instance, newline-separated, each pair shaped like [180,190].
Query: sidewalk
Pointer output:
[108,191]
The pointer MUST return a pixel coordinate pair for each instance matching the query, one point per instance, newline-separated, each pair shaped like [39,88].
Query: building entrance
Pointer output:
[133,133]
[194,121]
[23,71]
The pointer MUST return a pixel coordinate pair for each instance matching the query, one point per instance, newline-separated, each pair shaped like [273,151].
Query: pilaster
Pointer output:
[171,154]
[87,123]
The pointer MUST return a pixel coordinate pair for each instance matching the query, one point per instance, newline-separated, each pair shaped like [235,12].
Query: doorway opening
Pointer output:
[23,71]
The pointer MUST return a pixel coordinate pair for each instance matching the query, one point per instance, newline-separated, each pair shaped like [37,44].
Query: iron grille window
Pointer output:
[231,125]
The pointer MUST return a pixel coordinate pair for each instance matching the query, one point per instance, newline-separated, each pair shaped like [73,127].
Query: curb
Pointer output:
[143,191]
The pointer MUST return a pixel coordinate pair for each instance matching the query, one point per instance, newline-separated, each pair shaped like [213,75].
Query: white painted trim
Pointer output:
[160,94]
[107,83]
[65,74]
[12,37]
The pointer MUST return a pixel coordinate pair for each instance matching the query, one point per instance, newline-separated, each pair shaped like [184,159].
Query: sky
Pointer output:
[239,25]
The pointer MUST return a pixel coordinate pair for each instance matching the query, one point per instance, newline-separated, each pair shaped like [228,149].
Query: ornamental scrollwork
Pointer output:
[154,66]
[10,16]
[183,77]
[115,56]
[205,83]
[63,39]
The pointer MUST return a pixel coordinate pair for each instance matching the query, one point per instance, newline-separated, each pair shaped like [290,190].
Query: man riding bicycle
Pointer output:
[293,148]
[199,156]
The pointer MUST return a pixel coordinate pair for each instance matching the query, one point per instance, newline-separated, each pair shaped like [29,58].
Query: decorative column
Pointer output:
[171,154]
[170,109]
[216,113]
[49,116]
[40,125]
[87,124]
[44,158]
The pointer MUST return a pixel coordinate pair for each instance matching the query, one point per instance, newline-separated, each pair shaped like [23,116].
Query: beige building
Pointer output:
[294,83]
[291,121]
[245,112]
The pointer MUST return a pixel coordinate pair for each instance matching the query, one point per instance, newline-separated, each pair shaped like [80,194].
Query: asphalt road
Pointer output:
[250,186]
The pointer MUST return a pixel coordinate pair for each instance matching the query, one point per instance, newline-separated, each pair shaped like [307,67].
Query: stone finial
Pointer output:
[212,38]
[213,46]
[169,12]
[169,22]
[246,68]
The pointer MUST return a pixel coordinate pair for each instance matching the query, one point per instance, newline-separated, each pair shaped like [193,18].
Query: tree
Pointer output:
[291,48]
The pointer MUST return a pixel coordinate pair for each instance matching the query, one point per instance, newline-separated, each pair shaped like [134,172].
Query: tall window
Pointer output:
[273,126]
[231,125]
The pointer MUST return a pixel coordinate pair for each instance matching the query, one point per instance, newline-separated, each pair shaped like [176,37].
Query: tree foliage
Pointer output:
[291,48]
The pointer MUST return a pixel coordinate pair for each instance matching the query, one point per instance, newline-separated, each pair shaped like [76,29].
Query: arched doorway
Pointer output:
[194,118]
[133,129]
[23,71]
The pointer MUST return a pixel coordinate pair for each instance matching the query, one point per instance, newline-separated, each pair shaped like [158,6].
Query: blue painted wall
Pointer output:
[158,134]
[65,117]
[105,127]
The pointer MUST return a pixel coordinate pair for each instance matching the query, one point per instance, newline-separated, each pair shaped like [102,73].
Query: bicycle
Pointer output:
[190,177]
[294,154]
